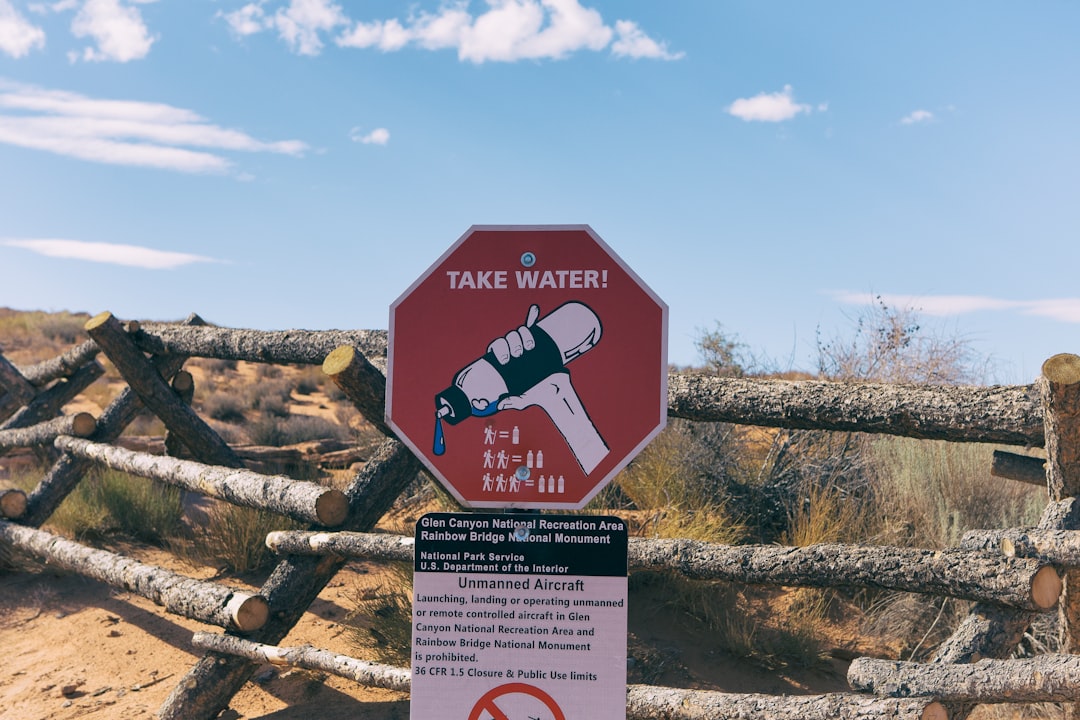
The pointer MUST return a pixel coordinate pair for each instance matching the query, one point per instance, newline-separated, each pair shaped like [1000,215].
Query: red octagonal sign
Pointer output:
[527,366]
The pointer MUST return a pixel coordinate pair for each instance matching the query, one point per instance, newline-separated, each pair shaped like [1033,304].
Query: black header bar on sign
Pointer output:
[521,544]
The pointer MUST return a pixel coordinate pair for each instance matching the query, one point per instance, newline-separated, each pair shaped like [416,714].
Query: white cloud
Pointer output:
[917,116]
[117,29]
[301,22]
[111,253]
[248,20]
[122,132]
[378,136]
[769,107]
[18,36]
[506,31]
[634,43]
[1062,309]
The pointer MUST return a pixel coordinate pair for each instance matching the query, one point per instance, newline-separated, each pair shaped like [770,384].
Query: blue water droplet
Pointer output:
[440,437]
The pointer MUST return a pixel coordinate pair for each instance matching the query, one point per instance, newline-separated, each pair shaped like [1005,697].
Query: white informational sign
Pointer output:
[519,617]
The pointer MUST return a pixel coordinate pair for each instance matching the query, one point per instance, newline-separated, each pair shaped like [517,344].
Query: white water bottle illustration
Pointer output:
[527,367]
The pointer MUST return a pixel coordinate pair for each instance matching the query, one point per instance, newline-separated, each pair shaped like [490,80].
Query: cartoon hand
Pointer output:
[556,396]
[517,341]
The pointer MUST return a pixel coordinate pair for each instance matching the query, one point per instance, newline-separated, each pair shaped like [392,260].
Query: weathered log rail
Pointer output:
[304,501]
[968,575]
[204,601]
[1011,574]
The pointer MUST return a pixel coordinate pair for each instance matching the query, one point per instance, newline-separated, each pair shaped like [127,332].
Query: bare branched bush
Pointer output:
[890,344]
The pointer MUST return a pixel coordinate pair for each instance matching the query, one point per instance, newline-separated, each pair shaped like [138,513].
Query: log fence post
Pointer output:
[50,402]
[66,363]
[15,390]
[1059,388]
[1024,468]
[183,384]
[361,382]
[156,394]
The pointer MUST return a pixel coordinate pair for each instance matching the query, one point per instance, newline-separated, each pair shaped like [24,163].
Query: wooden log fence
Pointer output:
[63,365]
[15,390]
[309,658]
[79,425]
[301,500]
[1011,574]
[1046,678]
[968,575]
[1059,547]
[204,601]
[1031,470]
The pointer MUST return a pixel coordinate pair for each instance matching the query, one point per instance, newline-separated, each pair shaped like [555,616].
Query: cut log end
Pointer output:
[935,711]
[98,320]
[332,508]
[248,612]
[183,381]
[12,503]
[338,360]
[1063,369]
[1046,588]
[83,425]
[273,539]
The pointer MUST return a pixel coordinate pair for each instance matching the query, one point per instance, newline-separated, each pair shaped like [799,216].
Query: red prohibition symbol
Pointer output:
[488,703]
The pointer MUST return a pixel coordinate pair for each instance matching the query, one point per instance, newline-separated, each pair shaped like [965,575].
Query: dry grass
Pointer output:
[380,623]
[682,499]
[929,493]
[29,337]
[107,502]
[234,538]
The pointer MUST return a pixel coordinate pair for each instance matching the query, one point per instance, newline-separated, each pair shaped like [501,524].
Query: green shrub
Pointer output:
[144,509]
[107,501]
[380,623]
[277,432]
[235,537]
[224,407]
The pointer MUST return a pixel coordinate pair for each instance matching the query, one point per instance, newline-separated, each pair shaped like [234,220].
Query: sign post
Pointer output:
[526,367]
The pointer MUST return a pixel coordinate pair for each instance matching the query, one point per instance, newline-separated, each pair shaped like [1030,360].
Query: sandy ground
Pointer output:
[76,648]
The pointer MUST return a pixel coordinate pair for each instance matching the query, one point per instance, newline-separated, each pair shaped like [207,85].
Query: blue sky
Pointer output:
[768,165]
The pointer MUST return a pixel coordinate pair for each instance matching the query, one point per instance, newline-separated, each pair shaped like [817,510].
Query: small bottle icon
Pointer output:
[515,436]
[539,459]
[543,483]
[529,459]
